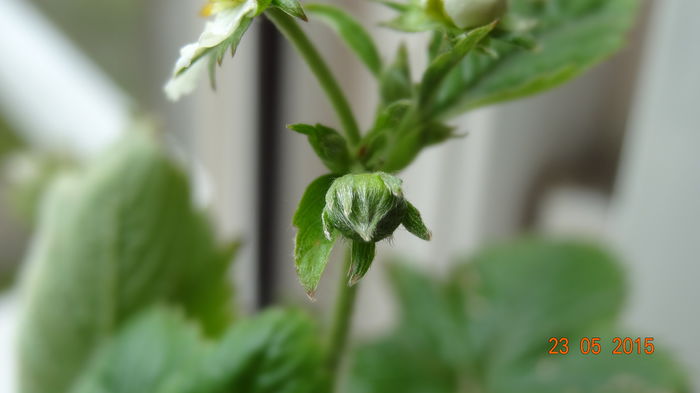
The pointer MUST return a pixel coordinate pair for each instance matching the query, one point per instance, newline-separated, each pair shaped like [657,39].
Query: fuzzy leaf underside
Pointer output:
[111,240]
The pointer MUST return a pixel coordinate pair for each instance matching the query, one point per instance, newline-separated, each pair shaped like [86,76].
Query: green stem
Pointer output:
[345,303]
[291,30]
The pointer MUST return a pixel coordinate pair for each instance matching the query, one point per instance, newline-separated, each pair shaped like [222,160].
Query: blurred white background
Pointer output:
[612,156]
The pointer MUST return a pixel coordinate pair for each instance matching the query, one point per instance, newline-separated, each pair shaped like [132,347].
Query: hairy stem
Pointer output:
[342,319]
[291,30]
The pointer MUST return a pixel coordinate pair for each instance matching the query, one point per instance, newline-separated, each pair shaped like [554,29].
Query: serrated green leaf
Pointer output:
[572,36]
[291,8]
[161,352]
[113,239]
[311,247]
[395,83]
[441,66]
[486,328]
[352,32]
[330,146]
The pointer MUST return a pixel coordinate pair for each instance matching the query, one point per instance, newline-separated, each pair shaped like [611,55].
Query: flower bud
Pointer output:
[364,207]
[468,14]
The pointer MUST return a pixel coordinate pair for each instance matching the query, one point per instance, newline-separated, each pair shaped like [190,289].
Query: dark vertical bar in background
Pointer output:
[269,58]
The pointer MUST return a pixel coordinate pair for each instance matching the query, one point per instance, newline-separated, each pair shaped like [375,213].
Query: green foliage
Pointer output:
[158,351]
[113,239]
[161,352]
[486,328]
[311,246]
[571,37]
[329,145]
[403,127]
[275,352]
[351,32]
[486,65]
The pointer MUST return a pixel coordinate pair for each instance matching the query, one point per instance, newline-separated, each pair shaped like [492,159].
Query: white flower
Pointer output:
[188,67]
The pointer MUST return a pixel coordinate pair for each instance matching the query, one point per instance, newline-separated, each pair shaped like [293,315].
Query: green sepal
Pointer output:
[311,247]
[329,145]
[352,32]
[291,7]
[395,82]
[413,222]
[362,255]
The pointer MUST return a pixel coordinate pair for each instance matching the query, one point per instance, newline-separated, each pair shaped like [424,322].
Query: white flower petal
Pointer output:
[186,82]
[187,54]
[225,23]
[215,32]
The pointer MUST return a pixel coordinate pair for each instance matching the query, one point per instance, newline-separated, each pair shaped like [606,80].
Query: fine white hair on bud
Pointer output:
[368,207]
[365,207]
[467,14]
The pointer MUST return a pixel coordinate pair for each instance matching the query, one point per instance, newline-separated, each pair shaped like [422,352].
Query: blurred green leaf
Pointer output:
[111,240]
[275,352]
[486,328]
[311,247]
[30,173]
[161,352]
[354,35]
[329,145]
[572,36]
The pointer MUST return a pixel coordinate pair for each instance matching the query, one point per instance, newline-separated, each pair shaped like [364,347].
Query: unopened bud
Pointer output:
[468,14]
[369,207]
[364,207]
